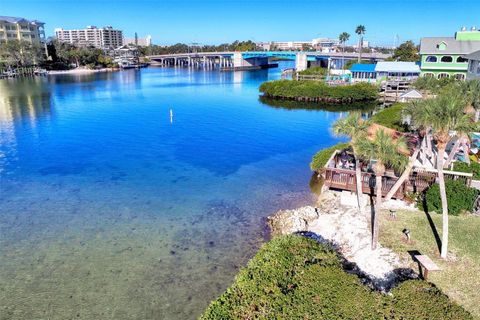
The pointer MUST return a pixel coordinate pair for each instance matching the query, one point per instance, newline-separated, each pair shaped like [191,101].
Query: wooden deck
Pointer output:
[419,181]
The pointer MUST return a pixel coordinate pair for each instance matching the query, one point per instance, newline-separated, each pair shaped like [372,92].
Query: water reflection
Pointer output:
[316,183]
[22,102]
[26,98]
[364,107]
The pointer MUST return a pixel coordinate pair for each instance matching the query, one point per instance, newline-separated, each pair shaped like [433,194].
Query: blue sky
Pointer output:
[217,21]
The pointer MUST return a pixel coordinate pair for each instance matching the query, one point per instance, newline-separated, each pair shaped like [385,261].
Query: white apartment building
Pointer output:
[14,28]
[316,44]
[290,45]
[103,38]
[142,42]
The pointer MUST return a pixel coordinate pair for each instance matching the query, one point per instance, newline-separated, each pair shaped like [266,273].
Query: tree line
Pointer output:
[59,55]
[237,45]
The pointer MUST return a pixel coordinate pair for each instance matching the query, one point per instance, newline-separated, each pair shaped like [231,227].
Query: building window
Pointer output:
[442,46]
[431,59]
[428,75]
[471,66]
[460,76]
[461,60]
[447,59]
[443,75]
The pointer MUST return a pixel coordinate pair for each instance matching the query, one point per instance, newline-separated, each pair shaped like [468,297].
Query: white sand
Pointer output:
[78,71]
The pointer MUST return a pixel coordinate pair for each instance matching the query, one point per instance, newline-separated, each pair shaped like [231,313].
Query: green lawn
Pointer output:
[460,276]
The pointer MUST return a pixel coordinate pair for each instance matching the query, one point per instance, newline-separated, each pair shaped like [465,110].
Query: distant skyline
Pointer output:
[219,21]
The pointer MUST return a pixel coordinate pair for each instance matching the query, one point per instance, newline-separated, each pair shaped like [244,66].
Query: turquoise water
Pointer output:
[109,210]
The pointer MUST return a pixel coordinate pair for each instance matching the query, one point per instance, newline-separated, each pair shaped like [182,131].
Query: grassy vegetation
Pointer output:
[473,167]
[391,117]
[459,277]
[318,91]
[320,159]
[293,277]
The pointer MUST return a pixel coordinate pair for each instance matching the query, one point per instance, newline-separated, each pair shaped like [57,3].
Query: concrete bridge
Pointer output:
[260,59]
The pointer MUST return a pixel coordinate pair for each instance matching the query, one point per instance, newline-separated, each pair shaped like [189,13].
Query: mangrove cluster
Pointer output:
[317,91]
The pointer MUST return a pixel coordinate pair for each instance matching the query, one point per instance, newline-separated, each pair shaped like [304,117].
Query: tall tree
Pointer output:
[443,114]
[354,127]
[20,53]
[385,152]
[407,51]
[360,31]
[344,37]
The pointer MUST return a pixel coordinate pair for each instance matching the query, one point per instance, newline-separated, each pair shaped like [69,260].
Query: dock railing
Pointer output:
[419,180]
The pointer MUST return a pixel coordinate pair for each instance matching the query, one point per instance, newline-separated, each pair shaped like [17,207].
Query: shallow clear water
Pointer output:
[110,211]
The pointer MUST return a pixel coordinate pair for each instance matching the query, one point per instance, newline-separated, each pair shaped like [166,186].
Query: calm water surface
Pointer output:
[110,211]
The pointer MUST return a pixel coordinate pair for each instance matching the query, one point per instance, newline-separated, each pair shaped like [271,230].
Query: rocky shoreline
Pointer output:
[348,231]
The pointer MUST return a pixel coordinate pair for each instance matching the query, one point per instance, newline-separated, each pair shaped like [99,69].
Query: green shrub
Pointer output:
[459,197]
[417,300]
[317,71]
[391,117]
[292,277]
[291,89]
[473,167]
[319,160]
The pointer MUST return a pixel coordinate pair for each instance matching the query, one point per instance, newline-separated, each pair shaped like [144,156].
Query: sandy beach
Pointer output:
[79,71]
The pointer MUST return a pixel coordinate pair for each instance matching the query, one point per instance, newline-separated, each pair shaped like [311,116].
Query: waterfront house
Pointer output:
[410,95]
[339,171]
[473,71]
[397,71]
[383,71]
[363,72]
[443,57]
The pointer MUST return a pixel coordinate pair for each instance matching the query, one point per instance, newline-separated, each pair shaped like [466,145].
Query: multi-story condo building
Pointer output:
[315,44]
[443,57]
[103,38]
[13,28]
[142,42]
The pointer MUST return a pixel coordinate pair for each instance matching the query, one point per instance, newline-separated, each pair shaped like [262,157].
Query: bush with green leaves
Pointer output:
[460,197]
[293,277]
[314,71]
[391,117]
[473,167]
[320,159]
[318,91]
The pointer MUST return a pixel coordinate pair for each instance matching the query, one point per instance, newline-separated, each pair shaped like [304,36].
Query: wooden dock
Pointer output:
[419,181]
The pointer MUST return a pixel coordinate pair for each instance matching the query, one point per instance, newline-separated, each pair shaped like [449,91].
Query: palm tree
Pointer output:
[360,31]
[443,114]
[471,91]
[409,111]
[385,151]
[344,37]
[354,127]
